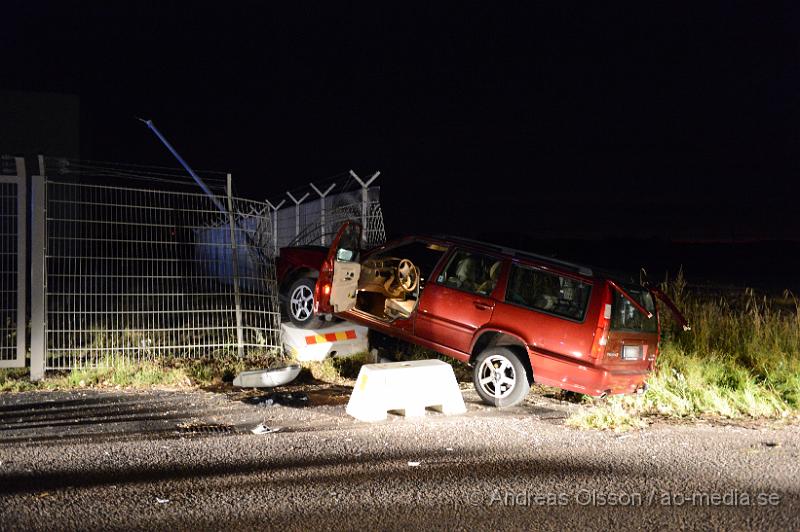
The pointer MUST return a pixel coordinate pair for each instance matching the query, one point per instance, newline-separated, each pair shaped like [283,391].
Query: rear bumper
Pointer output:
[578,376]
[618,382]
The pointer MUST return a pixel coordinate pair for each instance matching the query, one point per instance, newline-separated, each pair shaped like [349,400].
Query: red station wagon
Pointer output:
[514,316]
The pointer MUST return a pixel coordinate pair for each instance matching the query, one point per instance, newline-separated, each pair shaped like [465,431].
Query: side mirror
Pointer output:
[344,255]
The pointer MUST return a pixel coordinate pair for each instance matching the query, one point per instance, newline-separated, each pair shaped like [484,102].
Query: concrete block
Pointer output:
[339,339]
[408,386]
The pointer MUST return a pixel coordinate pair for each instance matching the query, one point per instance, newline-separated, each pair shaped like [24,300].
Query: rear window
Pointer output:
[626,317]
[547,292]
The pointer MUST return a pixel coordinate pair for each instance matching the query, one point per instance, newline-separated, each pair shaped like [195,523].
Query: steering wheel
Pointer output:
[407,275]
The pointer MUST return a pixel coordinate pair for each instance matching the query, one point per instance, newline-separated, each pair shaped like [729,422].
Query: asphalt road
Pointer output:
[187,460]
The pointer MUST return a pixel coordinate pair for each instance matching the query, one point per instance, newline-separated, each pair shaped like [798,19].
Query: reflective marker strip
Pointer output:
[331,337]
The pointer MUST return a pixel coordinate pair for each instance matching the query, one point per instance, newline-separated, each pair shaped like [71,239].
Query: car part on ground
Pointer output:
[267,378]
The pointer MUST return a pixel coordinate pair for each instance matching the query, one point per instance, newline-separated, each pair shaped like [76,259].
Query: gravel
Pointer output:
[188,460]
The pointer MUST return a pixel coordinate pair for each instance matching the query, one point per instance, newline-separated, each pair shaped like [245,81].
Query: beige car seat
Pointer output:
[397,308]
[487,287]
[467,273]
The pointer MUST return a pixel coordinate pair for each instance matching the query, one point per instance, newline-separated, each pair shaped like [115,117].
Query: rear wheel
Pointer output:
[500,377]
[300,305]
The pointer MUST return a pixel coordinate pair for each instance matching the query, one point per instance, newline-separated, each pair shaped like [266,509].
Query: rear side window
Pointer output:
[626,317]
[547,292]
[472,272]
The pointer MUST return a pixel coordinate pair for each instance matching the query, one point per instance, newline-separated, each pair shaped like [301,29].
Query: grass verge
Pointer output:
[117,373]
[740,360]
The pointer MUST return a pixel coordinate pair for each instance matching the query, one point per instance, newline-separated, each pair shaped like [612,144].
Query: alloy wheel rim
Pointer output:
[302,303]
[496,376]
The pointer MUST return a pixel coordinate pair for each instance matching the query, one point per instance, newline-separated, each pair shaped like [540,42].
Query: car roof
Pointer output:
[517,253]
[572,267]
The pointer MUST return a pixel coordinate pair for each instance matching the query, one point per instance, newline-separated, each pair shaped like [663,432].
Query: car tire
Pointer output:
[300,304]
[500,377]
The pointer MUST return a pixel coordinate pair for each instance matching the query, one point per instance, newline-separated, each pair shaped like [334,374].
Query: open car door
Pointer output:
[658,293]
[676,313]
[338,278]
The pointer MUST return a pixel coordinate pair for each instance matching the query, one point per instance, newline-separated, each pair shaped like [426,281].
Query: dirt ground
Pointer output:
[187,459]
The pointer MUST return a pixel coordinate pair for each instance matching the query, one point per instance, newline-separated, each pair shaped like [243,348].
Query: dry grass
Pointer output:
[117,373]
[740,360]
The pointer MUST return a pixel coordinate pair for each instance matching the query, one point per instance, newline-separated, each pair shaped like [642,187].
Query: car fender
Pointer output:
[489,329]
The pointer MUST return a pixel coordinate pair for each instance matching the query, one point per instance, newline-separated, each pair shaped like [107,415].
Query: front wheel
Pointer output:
[300,305]
[500,377]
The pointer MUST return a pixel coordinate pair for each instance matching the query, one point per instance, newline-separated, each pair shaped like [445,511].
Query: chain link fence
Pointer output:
[130,263]
[138,265]
[321,233]
[12,262]
[300,221]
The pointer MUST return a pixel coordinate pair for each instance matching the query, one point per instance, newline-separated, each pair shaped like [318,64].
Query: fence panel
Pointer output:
[339,208]
[13,279]
[136,272]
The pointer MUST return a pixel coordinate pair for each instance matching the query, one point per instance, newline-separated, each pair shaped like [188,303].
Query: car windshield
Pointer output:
[626,317]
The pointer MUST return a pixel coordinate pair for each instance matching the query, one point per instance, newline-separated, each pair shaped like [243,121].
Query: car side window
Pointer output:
[348,248]
[548,292]
[472,272]
[424,255]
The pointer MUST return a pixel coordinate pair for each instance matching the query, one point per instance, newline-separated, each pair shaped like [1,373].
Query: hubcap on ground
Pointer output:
[496,376]
[302,303]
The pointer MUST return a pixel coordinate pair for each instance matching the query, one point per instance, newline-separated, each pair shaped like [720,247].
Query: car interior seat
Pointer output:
[402,304]
[398,308]
[467,273]
[487,287]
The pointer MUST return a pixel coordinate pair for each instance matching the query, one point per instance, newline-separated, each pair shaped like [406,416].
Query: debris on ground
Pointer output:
[414,464]
[159,500]
[263,429]
[293,399]
[197,427]
[267,378]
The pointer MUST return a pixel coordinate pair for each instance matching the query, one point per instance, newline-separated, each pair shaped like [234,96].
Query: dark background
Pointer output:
[626,136]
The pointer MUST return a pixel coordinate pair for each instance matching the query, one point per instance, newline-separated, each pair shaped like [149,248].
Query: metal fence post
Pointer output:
[297,203]
[364,201]
[38,273]
[22,240]
[322,210]
[274,215]
[235,254]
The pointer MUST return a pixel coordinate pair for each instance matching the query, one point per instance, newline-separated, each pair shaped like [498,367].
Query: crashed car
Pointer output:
[515,317]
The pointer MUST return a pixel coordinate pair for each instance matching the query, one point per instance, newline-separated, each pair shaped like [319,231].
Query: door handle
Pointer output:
[480,305]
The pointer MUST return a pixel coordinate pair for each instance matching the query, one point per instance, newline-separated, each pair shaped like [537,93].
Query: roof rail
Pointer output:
[583,270]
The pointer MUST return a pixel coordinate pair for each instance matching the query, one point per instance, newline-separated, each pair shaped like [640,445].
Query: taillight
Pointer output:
[326,289]
[601,333]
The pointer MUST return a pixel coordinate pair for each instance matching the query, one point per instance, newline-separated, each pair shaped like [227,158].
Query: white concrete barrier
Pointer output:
[340,339]
[409,386]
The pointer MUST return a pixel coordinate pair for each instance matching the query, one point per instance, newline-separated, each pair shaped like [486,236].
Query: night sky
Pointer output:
[679,122]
